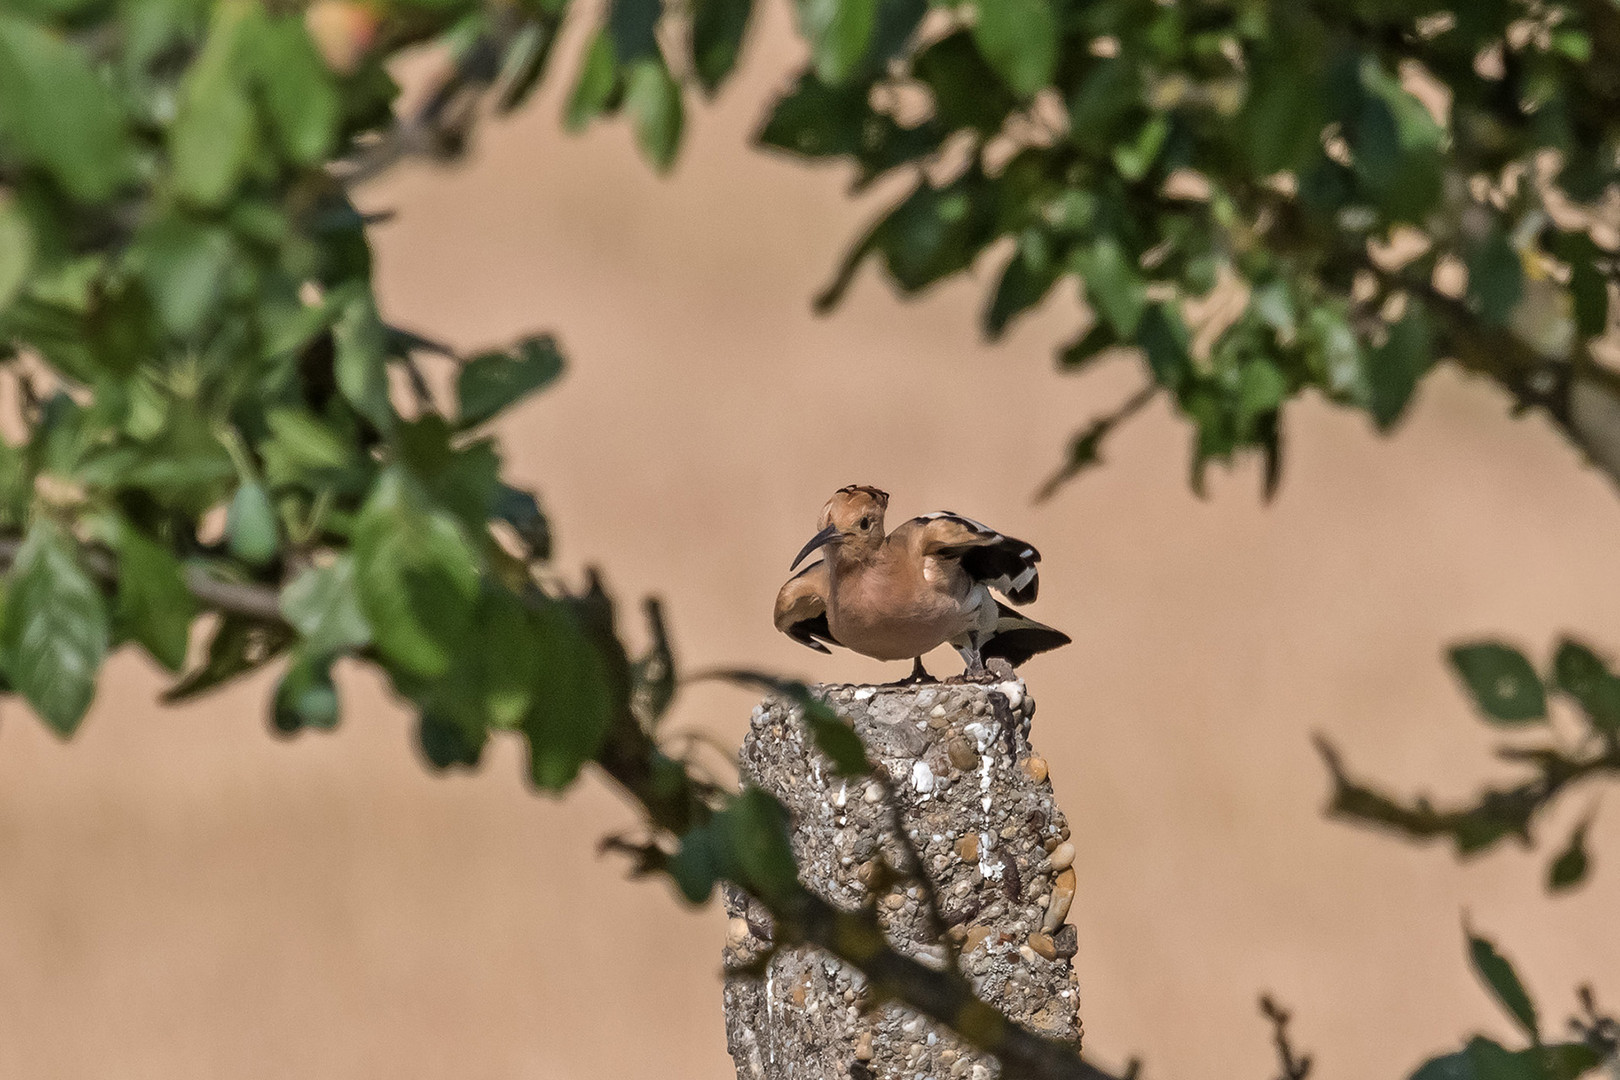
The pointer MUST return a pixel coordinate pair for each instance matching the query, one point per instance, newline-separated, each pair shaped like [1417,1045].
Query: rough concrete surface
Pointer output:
[974,797]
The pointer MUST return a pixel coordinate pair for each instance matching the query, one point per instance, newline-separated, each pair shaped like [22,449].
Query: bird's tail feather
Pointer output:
[1017,637]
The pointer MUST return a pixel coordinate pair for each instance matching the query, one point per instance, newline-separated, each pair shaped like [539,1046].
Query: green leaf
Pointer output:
[214,133]
[598,85]
[1485,1059]
[361,363]
[521,510]
[305,696]
[238,646]
[839,32]
[1497,973]
[1394,368]
[154,606]
[1582,674]
[1283,114]
[185,265]
[1569,868]
[1020,40]
[1503,684]
[250,525]
[653,674]
[1114,285]
[323,605]
[58,115]
[817,120]
[1589,288]
[966,91]
[493,382]
[633,26]
[1166,343]
[1261,389]
[757,832]
[446,744]
[55,633]
[654,102]
[417,575]
[300,97]
[460,478]
[1024,283]
[1396,146]
[1495,279]
[573,701]
[718,27]
[524,64]
[1136,156]
[16,251]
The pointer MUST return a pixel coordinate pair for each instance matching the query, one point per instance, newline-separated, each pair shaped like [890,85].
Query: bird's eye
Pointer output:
[866,523]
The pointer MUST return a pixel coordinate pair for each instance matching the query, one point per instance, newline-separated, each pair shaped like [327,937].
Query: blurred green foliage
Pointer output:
[211,428]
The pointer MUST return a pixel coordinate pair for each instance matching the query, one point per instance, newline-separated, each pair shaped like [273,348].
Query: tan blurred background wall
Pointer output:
[183,896]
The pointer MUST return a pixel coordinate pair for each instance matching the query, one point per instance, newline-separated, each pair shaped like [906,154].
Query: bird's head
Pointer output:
[852,519]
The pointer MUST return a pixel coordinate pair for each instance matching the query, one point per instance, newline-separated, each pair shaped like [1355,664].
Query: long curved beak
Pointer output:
[822,538]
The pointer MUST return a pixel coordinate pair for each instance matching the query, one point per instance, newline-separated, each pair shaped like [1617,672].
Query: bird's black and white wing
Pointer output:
[801,608]
[1002,562]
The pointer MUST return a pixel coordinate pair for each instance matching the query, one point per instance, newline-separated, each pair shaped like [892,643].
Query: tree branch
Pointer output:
[260,603]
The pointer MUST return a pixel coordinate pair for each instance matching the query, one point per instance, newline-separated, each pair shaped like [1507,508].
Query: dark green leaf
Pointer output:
[1164,340]
[573,701]
[55,633]
[1394,368]
[57,114]
[460,478]
[1497,973]
[521,510]
[1090,345]
[633,26]
[654,672]
[1590,290]
[1024,283]
[654,103]
[1582,674]
[1569,868]
[1020,39]
[1282,117]
[250,525]
[966,91]
[417,574]
[758,838]
[817,120]
[1503,684]
[445,743]
[839,32]
[16,251]
[1495,279]
[323,605]
[305,697]
[717,34]
[154,605]
[1485,1059]
[237,647]
[491,382]
[1114,285]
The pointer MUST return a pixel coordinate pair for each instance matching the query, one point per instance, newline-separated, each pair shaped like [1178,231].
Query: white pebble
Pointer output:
[922,777]
[864,693]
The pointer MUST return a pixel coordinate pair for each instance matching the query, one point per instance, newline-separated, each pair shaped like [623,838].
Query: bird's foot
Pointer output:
[918,677]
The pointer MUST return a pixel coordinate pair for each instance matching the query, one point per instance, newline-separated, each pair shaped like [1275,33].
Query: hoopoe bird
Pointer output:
[898,595]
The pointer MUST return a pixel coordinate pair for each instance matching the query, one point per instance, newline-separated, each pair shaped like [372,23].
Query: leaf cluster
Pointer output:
[1510,695]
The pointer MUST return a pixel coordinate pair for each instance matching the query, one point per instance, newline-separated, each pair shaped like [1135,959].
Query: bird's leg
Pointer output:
[976,671]
[918,675]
